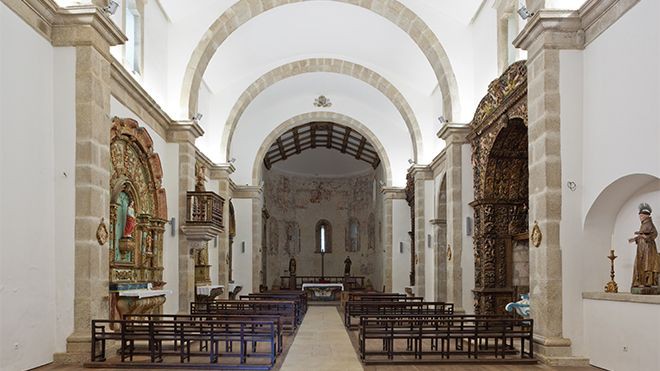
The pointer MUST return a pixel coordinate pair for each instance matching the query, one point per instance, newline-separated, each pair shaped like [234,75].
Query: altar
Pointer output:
[323,291]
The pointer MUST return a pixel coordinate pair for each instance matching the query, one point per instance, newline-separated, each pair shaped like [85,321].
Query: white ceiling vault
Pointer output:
[417,59]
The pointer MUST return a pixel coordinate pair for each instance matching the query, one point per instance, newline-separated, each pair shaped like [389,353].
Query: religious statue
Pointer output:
[200,177]
[130,223]
[347,266]
[292,266]
[647,261]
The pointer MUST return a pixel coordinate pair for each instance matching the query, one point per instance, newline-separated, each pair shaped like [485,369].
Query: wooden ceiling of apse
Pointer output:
[321,135]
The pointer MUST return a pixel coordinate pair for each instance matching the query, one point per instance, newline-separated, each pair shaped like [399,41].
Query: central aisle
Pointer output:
[322,343]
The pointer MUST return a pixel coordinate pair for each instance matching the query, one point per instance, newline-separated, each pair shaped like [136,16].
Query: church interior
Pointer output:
[329,184]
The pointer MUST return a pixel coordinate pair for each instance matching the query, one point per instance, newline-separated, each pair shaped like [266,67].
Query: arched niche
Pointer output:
[498,135]
[138,210]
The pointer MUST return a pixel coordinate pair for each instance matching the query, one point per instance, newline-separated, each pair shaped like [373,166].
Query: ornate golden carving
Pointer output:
[102,233]
[536,236]
[498,135]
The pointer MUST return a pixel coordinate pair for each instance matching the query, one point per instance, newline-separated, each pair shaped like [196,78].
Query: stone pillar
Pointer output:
[389,194]
[421,174]
[221,173]
[92,178]
[454,137]
[185,133]
[440,261]
[256,194]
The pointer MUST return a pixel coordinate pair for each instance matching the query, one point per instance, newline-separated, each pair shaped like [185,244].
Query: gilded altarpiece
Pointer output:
[138,213]
[499,142]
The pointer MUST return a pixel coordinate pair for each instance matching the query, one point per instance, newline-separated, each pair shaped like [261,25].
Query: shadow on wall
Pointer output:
[608,224]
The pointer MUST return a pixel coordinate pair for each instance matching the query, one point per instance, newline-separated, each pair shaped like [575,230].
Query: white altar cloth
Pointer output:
[144,293]
[322,285]
[206,290]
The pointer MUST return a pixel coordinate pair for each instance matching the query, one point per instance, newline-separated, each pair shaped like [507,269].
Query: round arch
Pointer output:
[323,65]
[244,10]
[321,116]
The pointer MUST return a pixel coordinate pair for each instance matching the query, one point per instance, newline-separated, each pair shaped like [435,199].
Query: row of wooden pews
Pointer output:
[396,329]
[236,334]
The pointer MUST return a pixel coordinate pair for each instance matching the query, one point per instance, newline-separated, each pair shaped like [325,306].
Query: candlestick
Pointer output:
[612,286]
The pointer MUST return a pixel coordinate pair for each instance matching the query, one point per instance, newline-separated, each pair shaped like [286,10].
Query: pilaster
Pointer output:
[184,134]
[221,173]
[389,194]
[440,261]
[454,136]
[256,194]
[420,173]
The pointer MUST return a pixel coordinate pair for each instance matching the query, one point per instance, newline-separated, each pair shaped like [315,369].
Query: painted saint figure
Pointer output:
[347,266]
[292,266]
[129,226]
[647,261]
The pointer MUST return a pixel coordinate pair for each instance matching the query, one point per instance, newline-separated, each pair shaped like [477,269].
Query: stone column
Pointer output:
[440,262]
[221,173]
[256,194]
[421,174]
[454,137]
[185,133]
[389,194]
[92,178]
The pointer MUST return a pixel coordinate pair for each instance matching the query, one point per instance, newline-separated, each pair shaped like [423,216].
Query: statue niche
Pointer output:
[138,213]
[499,142]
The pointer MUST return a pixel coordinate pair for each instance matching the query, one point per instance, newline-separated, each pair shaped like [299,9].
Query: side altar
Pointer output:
[138,214]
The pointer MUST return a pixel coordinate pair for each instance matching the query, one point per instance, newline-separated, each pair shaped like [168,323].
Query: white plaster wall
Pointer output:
[611,326]
[429,252]
[214,185]
[29,241]
[571,237]
[467,257]
[64,160]
[400,261]
[622,101]
[242,261]
[483,44]
[169,158]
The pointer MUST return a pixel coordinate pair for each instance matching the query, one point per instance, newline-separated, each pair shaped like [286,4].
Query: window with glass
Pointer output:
[323,237]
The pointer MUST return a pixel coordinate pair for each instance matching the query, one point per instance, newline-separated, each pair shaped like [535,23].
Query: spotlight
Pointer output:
[410,161]
[198,116]
[382,184]
[232,160]
[524,13]
[442,119]
[111,8]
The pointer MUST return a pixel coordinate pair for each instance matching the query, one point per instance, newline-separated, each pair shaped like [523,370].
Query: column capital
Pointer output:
[184,131]
[394,193]
[438,221]
[221,171]
[453,133]
[421,172]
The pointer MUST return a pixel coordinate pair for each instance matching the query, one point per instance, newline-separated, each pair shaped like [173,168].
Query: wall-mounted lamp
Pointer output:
[524,13]
[428,241]
[401,247]
[242,247]
[410,161]
[172,226]
[571,185]
[215,241]
[111,8]
[198,116]
[232,160]
[468,226]
[442,119]
[380,181]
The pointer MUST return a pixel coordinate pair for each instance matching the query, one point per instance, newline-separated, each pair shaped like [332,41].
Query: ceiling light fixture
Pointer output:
[524,13]
[111,8]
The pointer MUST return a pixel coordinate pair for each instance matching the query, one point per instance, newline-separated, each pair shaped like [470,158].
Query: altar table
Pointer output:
[323,291]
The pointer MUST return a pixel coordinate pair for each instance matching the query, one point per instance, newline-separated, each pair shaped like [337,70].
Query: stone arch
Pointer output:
[323,65]
[321,116]
[393,10]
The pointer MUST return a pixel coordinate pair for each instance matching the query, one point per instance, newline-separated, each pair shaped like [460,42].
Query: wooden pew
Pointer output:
[153,337]
[285,309]
[300,298]
[429,339]
[367,307]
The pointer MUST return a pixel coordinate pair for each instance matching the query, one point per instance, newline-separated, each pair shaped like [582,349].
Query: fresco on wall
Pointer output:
[371,232]
[292,241]
[273,239]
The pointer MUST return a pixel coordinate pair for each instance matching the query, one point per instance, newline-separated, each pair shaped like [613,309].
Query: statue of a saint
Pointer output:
[130,223]
[647,261]
[347,266]
[200,177]
[292,266]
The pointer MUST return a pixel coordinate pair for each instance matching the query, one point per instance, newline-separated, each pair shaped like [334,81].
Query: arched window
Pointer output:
[323,236]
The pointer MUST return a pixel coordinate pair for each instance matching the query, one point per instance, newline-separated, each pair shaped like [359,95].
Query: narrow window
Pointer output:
[323,237]
[133,51]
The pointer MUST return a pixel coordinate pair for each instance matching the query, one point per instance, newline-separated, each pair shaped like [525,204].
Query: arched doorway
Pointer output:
[500,161]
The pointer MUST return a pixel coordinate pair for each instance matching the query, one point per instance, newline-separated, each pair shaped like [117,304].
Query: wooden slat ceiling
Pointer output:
[321,134]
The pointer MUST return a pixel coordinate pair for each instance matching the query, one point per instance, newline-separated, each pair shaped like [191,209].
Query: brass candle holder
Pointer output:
[612,286]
